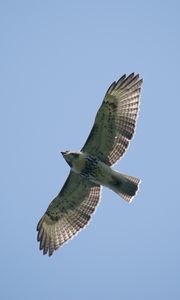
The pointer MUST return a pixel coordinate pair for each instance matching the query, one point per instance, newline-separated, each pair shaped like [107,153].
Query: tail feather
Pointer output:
[126,186]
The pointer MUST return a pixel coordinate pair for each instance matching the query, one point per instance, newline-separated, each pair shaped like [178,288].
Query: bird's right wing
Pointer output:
[67,213]
[115,121]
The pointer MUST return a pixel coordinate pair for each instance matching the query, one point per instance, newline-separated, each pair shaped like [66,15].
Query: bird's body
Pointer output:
[96,171]
[108,140]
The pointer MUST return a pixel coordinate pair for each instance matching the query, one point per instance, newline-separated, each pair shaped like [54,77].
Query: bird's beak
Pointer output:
[64,153]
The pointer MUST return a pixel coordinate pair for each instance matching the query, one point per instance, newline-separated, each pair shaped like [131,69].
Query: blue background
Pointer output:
[57,59]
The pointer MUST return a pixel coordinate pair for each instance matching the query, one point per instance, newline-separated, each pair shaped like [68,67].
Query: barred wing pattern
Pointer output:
[115,121]
[69,212]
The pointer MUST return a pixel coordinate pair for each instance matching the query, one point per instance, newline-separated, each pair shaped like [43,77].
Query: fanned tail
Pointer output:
[125,186]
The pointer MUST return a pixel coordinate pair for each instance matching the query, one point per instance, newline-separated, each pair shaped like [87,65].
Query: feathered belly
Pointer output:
[96,171]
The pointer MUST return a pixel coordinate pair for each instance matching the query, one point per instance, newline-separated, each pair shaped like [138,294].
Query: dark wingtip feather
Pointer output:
[38,227]
[124,81]
[45,250]
[50,253]
[127,81]
[111,87]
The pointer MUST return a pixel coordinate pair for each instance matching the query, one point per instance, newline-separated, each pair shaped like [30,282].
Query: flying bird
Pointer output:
[90,168]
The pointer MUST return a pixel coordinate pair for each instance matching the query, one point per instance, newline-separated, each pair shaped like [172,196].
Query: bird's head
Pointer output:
[70,157]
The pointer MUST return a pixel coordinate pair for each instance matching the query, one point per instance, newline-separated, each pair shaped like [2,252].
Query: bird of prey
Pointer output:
[90,168]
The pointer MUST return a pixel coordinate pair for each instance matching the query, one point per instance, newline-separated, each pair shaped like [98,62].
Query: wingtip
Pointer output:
[124,81]
[111,87]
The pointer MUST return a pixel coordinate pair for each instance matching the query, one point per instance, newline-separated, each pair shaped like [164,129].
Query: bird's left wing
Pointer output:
[115,120]
[69,212]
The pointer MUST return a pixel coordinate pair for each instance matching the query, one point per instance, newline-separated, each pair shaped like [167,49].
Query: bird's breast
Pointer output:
[93,170]
[78,165]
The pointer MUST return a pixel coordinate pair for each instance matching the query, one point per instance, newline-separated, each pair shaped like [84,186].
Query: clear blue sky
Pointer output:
[57,58]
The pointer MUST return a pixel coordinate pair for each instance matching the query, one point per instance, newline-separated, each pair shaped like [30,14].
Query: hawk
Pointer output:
[108,140]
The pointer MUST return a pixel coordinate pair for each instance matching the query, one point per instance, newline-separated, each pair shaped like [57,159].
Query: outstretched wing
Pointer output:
[67,213]
[115,121]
